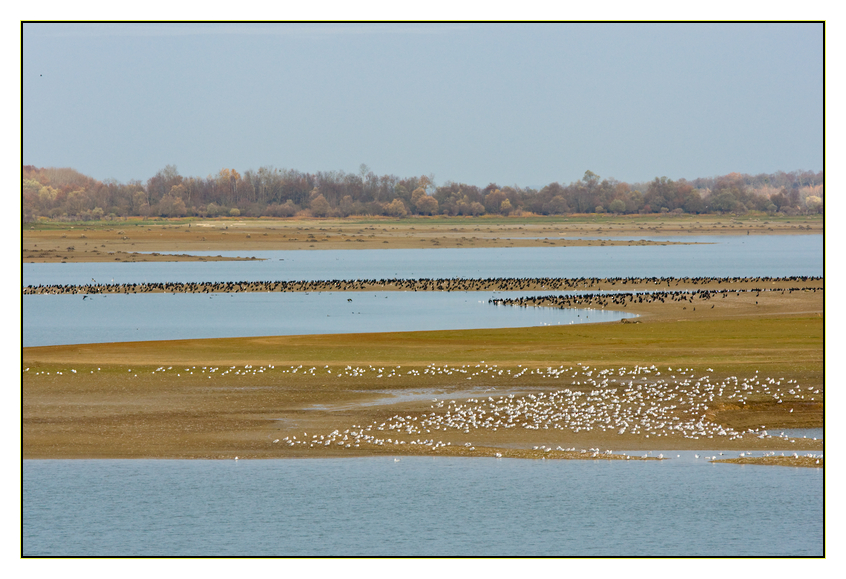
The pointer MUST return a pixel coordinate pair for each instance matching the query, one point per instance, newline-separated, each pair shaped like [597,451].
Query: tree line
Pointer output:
[66,194]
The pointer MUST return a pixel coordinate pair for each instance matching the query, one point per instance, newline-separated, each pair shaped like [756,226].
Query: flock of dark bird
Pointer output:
[623,299]
[426,284]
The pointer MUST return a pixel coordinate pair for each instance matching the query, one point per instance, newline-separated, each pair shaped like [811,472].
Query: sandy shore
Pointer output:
[135,240]
[682,379]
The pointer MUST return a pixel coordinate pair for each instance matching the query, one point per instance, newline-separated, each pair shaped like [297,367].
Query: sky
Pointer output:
[512,104]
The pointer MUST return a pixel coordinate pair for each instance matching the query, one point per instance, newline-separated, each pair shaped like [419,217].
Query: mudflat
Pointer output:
[726,377]
[137,239]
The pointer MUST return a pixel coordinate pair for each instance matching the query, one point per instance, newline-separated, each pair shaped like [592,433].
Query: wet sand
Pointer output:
[742,367]
[126,241]
[806,460]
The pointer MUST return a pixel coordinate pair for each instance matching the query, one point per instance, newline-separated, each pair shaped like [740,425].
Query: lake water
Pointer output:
[420,506]
[818,433]
[729,256]
[70,319]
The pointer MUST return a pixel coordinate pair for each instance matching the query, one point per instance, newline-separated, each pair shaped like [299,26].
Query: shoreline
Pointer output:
[807,460]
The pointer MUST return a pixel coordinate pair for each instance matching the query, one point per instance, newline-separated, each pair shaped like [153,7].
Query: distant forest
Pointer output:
[66,194]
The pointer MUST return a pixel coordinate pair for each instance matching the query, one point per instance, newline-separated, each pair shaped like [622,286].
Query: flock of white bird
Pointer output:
[640,401]
[636,401]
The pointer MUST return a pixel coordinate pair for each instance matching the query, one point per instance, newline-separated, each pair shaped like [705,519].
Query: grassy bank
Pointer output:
[228,397]
[792,345]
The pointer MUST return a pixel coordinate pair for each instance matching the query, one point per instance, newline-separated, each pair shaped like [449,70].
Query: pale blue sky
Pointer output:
[513,104]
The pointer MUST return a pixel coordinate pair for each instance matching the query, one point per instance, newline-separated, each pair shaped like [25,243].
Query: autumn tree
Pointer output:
[617,206]
[66,193]
[557,205]
[320,206]
[396,208]
[814,204]
[493,201]
[160,184]
[172,206]
[584,192]
[77,202]
[416,195]
[426,205]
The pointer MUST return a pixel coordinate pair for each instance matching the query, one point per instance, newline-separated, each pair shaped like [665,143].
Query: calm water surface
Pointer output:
[818,433]
[70,319]
[419,506]
[731,256]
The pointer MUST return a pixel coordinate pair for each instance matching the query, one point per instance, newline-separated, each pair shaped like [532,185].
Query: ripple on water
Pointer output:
[419,506]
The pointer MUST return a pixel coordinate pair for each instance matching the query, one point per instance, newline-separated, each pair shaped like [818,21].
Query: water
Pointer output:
[70,319]
[718,256]
[420,506]
[818,433]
